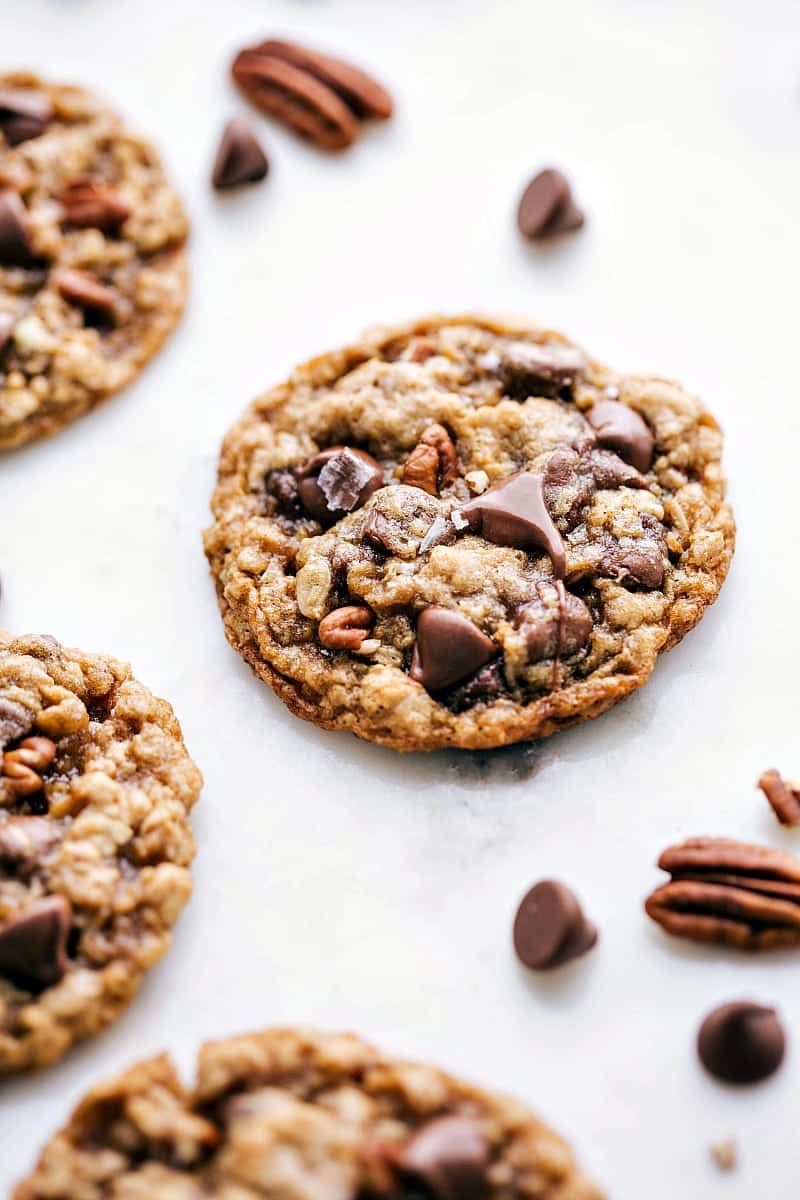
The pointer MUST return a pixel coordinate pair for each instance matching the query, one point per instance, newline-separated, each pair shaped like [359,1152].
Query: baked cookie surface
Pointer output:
[465,532]
[95,843]
[92,256]
[300,1116]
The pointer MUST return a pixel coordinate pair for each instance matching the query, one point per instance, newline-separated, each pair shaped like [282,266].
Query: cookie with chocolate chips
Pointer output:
[294,1114]
[95,843]
[92,256]
[520,530]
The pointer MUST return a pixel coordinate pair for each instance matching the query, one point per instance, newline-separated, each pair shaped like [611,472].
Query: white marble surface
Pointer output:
[336,883]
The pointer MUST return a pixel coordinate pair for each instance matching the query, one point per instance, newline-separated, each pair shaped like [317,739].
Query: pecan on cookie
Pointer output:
[92,256]
[95,843]
[526,529]
[294,1115]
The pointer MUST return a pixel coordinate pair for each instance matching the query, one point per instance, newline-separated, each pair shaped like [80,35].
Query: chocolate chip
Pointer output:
[550,928]
[24,114]
[485,685]
[547,208]
[619,427]
[449,648]
[610,471]
[642,566]
[378,532]
[741,1042]
[514,513]
[532,369]
[15,245]
[336,481]
[551,629]
[33,944]
[282,486]
[448,1157]
[240,158]
[15,720]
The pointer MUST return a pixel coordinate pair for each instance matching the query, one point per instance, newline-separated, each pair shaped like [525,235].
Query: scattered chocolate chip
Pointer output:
[15,245]
[539,369]
[741,1042]
[619,427]
[87,204]
[642,566]
[550,628]
[550,928]
[547,208]
[24,114]
[308,106]
[240,158]
[783,796]
[514,513]
[448,1157]
[33,944]
[336,481]
[87,293]
[15,720]
[449,648]
[363,94]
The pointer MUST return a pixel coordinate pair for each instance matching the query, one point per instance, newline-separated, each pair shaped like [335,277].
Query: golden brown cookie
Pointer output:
[465,532]
[92,256]
[95,843]
[302,1116]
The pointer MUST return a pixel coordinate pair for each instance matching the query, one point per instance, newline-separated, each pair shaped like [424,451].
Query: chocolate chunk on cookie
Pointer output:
[95,843]
[520,530]
[92,256]
[292,1114]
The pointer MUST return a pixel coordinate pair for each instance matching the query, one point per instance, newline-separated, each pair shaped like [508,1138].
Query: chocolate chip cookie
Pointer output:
[465,532]
[92,256]
[300,1116]
[95,843]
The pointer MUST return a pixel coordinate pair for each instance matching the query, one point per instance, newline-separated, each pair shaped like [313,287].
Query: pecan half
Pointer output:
[296,97]
[345,628]
[87,293]
[730,893]
[783,796]
[360,91]
[23,767]
[87,204]
[432,463]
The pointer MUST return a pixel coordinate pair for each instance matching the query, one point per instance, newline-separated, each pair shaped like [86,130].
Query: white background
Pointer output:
[339,884]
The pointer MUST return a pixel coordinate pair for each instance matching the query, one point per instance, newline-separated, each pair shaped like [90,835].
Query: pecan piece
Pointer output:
[730,893]
[87,204]
[432,463]
[783,796]
[87,293]
[297,98]
[345,628]
[23,767]
[360,91]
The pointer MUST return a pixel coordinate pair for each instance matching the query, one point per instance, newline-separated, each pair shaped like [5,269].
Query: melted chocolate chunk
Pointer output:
[619,427]
[553,628]
[448,1158]
[23,840]
[24,114]
[15,245]
[639,566]
[449,648]
[33,944]
[336,481]
[514,513]
[282,486]
[484,686]
[532,369]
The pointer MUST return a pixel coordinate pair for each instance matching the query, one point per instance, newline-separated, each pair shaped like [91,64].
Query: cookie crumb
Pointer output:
[725,1154]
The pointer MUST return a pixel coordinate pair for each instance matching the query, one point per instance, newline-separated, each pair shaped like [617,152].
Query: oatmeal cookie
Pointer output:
[295,1115]
[92,256]
[95,843]
[464,532]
